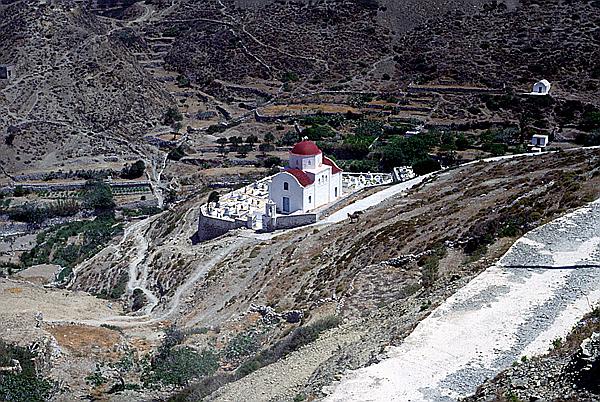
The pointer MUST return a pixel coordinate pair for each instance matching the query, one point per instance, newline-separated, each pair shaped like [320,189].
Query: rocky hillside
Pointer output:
[71,103]
[500,46]
[325,41]
[402,259]
[78,95]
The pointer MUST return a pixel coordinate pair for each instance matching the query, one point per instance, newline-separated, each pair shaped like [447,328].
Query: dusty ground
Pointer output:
[39,274]
[20,297]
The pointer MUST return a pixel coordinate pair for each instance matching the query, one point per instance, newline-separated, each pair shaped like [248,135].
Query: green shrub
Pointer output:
[429,272]
[318,132]
[19,191]
[33,213]
[134,171]
[557,343]
[590,121]
[426,166]
[25,386]
[183,81]
[28,213]
[182,365]
[289,138]
[50,243]
[242,345]
[366,165]
[98,195]
[171,116]
[590,139]
[299,337]
[496,149]
[139,300]
[369,128]
[332,120]
[266,147]
[462,142]
[510,397]
[176,154]
[290,76]
[401,151]
[271,161]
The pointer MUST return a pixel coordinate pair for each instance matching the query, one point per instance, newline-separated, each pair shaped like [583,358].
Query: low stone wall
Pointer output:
[449,89]
[70,186]
[210,227]
[293,221]
[267,118]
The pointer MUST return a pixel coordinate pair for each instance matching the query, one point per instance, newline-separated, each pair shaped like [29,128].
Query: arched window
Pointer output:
[310,199]
[286,185]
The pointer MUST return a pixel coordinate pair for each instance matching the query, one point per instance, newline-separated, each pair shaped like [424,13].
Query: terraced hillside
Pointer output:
[78,96]
[515,47]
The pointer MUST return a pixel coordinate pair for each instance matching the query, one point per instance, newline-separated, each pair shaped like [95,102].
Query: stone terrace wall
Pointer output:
[210,227]
[292,221]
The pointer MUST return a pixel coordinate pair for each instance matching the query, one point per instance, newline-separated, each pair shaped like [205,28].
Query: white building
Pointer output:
[541,88]
[539,140]
[310,181]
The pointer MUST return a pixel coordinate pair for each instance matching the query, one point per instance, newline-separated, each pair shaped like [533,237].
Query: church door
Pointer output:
[286,204]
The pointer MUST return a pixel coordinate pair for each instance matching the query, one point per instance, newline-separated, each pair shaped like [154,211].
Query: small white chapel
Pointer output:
[310,181]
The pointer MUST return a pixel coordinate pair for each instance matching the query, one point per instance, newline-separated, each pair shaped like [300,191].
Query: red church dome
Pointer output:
[306,148]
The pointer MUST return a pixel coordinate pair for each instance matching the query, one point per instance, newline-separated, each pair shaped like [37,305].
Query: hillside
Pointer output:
[125,116]
[403,258]
[78,97]
[220,60]
[508,46]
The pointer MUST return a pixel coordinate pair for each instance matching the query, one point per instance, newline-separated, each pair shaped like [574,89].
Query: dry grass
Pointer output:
[84,341]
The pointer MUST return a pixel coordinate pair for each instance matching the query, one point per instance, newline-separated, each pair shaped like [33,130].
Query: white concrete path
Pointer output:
[507,311]
[372,200]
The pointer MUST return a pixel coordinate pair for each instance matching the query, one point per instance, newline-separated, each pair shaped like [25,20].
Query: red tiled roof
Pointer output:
[306,148]
[334,168]
[302,177]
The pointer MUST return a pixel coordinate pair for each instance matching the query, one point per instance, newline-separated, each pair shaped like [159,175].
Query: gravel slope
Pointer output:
[543,285]
[288,376]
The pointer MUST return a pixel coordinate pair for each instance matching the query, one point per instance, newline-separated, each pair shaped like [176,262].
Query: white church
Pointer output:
[310,181]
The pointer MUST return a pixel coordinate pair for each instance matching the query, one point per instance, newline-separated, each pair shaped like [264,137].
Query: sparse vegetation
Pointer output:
[172,115]
[98,196]
[57,245]
[299,337]
[176,154]
[175,365]
[26,385]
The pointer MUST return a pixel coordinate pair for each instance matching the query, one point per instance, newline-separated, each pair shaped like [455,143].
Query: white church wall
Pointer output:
[321,188]
[294,192]
[336,182]
[304,162]
[210,227]
[309,198]
[292,221]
